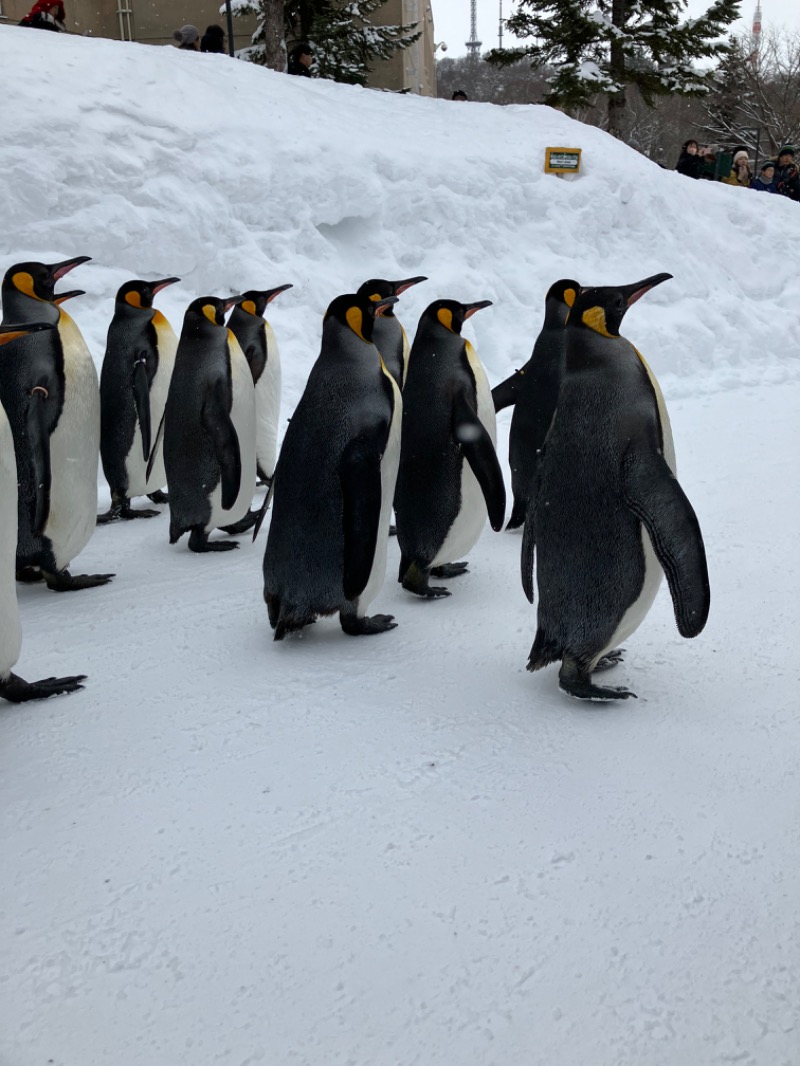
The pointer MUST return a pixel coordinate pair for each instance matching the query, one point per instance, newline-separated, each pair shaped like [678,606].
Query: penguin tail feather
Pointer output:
[287,619]
[544,651]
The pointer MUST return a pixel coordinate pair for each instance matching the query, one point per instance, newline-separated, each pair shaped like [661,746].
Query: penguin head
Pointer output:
[565,291]
[139,295]
[255,301]
[208,311]
[38,280]
[451,314]
[379,289]
[13,333]
[602,310]
[358,313]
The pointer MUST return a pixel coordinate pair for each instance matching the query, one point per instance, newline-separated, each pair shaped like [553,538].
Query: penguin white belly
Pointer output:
[10,631]
[389,467]
[243,416]
[636,613]
[472,514]
[167,347]
[268,406]
[74,451]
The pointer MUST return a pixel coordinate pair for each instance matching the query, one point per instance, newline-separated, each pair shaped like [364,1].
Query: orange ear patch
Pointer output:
[445,316]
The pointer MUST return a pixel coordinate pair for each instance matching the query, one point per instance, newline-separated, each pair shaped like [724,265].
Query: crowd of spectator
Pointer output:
[733,168]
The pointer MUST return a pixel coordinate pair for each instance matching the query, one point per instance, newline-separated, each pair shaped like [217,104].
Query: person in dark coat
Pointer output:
[300,59]
[46,15]
[787,181]
[213,40]
[690,163]
[765,182]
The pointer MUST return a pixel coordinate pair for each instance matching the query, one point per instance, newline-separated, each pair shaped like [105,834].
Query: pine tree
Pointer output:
[344,40]
[602,46]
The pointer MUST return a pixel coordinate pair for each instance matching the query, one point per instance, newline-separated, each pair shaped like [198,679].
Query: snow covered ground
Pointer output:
[402,850]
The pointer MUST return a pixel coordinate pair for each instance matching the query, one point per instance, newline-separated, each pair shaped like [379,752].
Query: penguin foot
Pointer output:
[15,690]
[415,579]
[243,524]
[28,575]
[576,681]
[64,581]
[159,496]
[450,569]
[363,627]
[613,658]
[199,542]
[127,512]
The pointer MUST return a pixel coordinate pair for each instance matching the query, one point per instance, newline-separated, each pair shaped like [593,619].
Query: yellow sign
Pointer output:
[562,160]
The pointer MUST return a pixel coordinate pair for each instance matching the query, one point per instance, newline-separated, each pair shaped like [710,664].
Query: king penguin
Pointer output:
[12,687]
[51,377]
[607,513]
[533,391]
[257,341]
[134,382]
[449,474]
[335,480]
[388,335]
[209,429]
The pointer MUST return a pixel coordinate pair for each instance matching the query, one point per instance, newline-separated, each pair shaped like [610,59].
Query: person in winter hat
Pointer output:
[741,174]
[765,182]
[300,60]
[787,181]
[46,15]
[187,38]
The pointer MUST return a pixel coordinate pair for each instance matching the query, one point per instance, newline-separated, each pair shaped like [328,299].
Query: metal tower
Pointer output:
[473,44]
[755,55]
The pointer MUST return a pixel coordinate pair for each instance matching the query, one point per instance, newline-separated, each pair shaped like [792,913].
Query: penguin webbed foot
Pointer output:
[414,579]
[448,570]
[577,682]
[16,690]
[124,510]
[364,627]
[64,581]
[199,542]
[159,496]
[243,524]
[611,659]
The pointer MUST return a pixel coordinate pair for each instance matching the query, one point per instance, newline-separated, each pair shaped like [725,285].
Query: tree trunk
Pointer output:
[616,101]
[274,44]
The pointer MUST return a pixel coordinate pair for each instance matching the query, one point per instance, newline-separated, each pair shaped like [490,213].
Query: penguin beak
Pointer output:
[157,286]
[12,333]
[634,292]
[401,286]
[470,309]
[231,302]
[270,294]
[58,270]
[383,305]
[62,297]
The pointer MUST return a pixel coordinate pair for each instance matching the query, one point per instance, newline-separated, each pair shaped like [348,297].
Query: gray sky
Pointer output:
[452,20]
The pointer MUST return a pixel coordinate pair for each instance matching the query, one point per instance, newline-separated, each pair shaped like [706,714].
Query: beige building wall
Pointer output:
[153,22]
[414,68]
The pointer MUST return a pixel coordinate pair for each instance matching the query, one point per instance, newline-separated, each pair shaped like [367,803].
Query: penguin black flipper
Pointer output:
[653,494]
[141,397]
[217,423]
[505,394]
[360,478]
[477,446]
[39,444]
[527,553]
[154,453]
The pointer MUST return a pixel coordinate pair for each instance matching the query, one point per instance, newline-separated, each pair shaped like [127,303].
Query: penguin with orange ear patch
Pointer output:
[388,334]
[51,380]
[607,517]
[209,429]
[334,482]
[134,382]
[533,391]
[449,477]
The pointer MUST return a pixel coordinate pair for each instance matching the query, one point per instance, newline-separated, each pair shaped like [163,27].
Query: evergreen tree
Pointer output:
[344,39]
[602,46]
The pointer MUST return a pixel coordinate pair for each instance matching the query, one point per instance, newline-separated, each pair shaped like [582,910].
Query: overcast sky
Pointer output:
[452,20]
